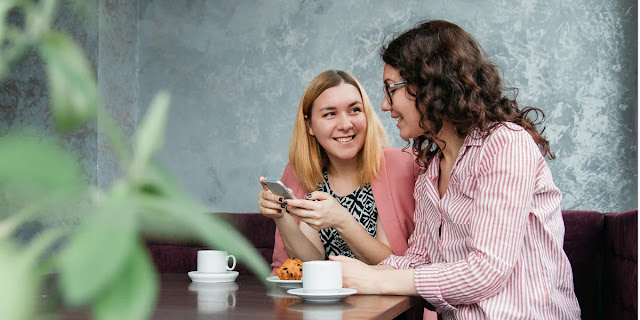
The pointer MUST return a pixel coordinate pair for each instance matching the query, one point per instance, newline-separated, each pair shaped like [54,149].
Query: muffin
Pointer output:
[291,269]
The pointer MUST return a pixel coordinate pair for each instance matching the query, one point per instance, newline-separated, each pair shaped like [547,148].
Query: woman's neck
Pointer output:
[343,168]
[450,143]
[343,175]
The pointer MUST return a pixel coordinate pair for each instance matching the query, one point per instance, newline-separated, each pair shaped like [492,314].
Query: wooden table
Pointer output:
[249,298]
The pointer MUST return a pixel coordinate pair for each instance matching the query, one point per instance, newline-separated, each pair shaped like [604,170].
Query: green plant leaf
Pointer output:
[150,134]
[5,6]
[168,205]
[133,295]
[211,229]
[20,275]
[98,251]
[38,18]
[114,136]
[72,86]
[19,286]
[37,164]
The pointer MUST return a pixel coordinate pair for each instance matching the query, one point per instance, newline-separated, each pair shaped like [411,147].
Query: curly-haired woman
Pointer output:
[488,236]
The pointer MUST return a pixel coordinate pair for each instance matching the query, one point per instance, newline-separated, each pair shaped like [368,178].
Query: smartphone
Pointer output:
[277,187]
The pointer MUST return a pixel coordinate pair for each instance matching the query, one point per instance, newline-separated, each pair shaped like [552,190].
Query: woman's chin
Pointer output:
[405,136]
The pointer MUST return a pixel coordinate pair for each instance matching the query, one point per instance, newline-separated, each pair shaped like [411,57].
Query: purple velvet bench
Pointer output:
[180,256]
[602,249]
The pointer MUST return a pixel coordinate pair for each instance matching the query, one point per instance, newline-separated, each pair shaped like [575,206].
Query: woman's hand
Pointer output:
[378,279]
[324,212]
[358,275]
[270,204]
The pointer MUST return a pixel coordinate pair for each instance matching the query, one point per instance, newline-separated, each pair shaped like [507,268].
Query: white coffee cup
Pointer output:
[215,297]
[215,261]
[321,311]
[321,275]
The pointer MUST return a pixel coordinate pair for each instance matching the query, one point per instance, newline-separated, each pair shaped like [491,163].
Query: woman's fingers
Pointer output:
[300,213]
[302,204]
[269,206]
[317,195]
[311,218]
[270,196]
[263,186]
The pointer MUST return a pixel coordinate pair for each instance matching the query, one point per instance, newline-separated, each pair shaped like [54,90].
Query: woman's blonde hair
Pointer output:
[307,157]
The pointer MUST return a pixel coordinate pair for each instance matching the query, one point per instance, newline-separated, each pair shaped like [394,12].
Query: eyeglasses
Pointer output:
[394,87]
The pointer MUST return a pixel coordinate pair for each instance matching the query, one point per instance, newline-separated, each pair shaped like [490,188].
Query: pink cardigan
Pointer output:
[393,193]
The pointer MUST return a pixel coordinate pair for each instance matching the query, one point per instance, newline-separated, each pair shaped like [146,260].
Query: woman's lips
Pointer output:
[344,139]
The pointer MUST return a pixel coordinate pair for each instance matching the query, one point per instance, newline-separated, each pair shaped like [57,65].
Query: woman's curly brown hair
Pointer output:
[452,80]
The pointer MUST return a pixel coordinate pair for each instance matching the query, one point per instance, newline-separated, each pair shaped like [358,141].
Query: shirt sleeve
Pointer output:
[416,255]
[503,197]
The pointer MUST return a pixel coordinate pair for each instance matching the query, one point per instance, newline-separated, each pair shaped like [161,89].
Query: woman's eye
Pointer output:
[328,114]
[392,91]
[357,109]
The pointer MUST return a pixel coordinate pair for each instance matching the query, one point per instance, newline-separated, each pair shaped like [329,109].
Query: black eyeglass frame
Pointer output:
[388,93]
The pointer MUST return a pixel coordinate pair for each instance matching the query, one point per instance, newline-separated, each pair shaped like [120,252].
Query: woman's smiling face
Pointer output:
[403,109]
[338,122]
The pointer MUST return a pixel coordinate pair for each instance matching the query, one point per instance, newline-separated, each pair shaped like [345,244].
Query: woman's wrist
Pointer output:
[285,219]
[396,281]
[346,223]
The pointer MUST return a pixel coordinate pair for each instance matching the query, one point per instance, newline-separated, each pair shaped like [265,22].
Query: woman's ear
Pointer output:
[307,123]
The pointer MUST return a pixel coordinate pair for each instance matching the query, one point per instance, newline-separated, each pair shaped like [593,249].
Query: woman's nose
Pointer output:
[385,106]
[344,123]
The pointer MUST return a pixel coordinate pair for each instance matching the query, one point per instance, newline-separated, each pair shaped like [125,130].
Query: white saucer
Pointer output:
[228,276]
[323,296]
[213,287]
[285,284]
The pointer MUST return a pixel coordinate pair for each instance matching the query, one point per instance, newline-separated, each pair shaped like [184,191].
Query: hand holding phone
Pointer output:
[277,187]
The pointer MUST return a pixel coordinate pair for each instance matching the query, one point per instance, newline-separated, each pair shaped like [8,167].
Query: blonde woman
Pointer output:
[354,195]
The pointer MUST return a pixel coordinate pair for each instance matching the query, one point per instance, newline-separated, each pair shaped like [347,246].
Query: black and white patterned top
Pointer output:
[360,203]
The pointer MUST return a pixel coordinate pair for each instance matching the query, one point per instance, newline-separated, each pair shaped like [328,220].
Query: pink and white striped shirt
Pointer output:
[499,255]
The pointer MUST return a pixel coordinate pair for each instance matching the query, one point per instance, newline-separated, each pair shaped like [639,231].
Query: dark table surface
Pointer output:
[249,298]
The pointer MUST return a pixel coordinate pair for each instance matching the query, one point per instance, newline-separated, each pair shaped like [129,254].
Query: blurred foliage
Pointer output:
[99,260]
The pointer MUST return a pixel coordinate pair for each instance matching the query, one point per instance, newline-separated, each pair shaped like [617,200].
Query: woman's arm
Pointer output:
[290,240]
[299,240]
[326,212]
[365,248]
[381,279]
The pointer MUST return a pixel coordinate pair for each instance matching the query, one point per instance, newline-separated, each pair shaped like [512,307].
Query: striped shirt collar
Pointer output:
[473,139]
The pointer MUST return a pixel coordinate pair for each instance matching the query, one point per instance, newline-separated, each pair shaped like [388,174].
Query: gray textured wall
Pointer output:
[24,100]
[236,71]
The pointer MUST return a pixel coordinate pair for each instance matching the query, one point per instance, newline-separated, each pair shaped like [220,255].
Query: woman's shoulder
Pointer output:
[400,161]
[507,132]
[288,173]
[393,153]
[290,180]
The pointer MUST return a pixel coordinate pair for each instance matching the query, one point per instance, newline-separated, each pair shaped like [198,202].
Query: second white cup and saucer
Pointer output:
[213,266]
[322,282]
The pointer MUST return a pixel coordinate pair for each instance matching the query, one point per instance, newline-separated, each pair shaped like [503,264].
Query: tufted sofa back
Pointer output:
[172,255]
[620,277]
[602,249]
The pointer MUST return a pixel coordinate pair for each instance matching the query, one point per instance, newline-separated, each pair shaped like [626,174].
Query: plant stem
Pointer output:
[114,137]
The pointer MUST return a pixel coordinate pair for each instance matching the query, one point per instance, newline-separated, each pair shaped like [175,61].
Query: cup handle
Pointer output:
[234,262]
[233,299]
